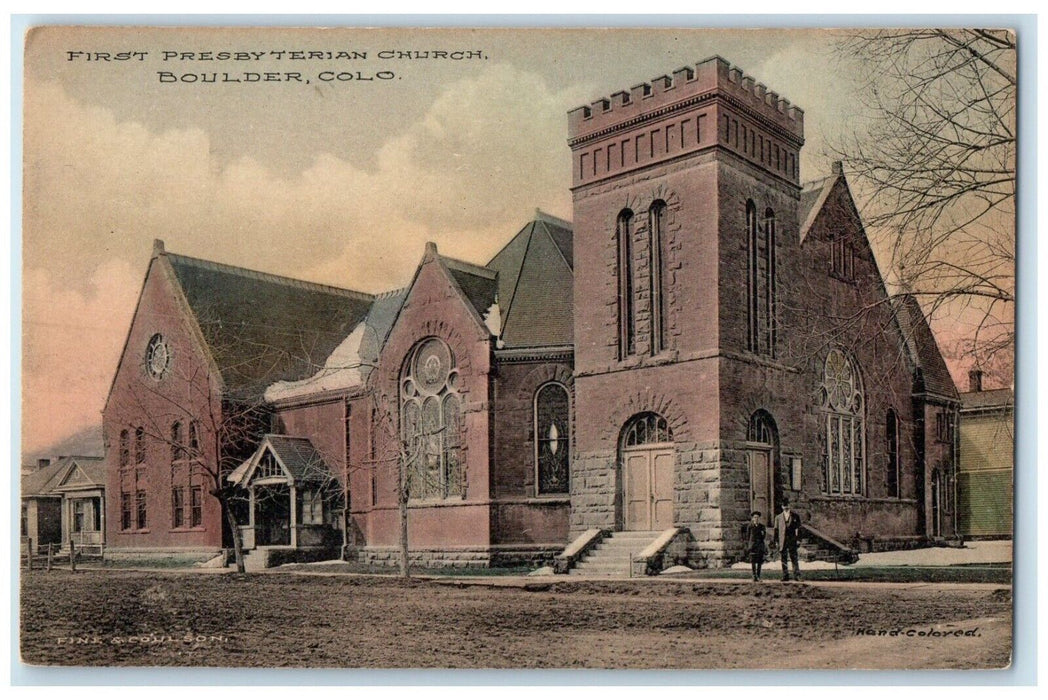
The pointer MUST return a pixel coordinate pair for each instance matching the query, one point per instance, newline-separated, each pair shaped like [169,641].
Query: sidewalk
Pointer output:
[982,552]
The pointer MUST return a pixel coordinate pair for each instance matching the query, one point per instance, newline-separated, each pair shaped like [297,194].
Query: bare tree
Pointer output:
[402,457]
[934,162]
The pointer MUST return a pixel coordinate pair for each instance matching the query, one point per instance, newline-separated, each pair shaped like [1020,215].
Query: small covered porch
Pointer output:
[64,501]
[292,496]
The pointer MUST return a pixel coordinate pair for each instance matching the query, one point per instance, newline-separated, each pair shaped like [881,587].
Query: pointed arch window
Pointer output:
[125,448]
[891,437]
[843,407]
[431,422]
[761,302]
[177,448]
[657,291]
[552,438]
[140,445]
[626,309]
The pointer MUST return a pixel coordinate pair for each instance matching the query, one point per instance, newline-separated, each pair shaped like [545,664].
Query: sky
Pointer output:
[336,181]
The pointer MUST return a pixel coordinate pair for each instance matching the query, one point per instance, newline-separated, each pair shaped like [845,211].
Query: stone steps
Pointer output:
[611,557]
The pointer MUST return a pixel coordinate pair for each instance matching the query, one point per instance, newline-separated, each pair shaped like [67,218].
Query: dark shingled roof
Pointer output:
[300,458]
[47,480]
[535,284]
[477,283]
[992,398]
[921,346]
[263,328]
[297,454]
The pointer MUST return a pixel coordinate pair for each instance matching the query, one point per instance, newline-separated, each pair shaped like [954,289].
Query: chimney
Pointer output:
[158,247]
[975,379]
[838,168]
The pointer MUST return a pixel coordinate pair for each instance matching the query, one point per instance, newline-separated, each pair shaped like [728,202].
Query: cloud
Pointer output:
[98,190]
[71,343]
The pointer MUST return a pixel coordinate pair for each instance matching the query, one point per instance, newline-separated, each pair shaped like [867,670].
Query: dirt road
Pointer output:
[134,618]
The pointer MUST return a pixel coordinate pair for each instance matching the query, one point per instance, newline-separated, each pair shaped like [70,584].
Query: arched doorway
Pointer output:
[762,439]
[647,465]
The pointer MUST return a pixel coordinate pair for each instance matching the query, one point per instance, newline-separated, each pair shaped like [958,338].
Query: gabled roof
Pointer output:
[921,346]
[535,278]
[299,459]
[64,473]
[262,328]
[985,400]
[478,284]
[813,197]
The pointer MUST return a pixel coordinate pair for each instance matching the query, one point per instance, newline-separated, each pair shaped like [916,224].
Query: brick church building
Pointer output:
[707,337]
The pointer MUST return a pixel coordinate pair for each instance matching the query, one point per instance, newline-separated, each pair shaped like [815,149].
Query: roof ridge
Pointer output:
[271,277]
[818,182]
[391,293]
[471,268]
[551,219]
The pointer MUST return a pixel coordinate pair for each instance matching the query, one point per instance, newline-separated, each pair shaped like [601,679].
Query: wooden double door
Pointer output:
[648,487]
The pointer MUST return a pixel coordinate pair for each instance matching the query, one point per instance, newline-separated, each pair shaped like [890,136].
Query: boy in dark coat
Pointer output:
[756,548]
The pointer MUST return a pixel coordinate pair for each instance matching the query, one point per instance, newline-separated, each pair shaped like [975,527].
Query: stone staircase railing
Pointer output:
[578,548]
[670,546]
[821,546]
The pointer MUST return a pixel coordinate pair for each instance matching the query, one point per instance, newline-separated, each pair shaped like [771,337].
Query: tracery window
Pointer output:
[656,254]
[646,429]
[627,315]
[431,422]
[552,438]
[761,300]
[844,407]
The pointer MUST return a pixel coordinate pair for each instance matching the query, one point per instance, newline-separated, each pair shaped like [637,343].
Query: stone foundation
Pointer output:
[532,556]
[188,557]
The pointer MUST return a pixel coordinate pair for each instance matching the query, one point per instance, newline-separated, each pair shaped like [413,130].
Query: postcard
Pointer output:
[518,348]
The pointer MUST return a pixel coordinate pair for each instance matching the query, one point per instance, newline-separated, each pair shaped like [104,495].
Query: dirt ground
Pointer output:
[285,619]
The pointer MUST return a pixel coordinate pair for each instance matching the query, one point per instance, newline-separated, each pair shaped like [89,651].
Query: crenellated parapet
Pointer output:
[710,104]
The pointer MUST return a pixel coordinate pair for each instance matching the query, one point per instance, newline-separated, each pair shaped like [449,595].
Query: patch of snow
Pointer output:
[493,319]
[216,562]
[544,571]
[679,569]
[342,370]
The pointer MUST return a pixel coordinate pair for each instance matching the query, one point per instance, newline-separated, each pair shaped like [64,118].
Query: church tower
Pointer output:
[685,195]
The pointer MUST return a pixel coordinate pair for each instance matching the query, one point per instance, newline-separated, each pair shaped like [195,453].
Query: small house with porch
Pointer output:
[63,500]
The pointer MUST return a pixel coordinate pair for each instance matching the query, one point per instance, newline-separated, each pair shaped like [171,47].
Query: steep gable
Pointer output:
[922,348]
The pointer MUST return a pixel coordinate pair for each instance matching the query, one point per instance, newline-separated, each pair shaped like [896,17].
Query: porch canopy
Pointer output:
[286,479]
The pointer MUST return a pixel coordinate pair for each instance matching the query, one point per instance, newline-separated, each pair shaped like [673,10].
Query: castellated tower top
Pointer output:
[711,77]
[713,105]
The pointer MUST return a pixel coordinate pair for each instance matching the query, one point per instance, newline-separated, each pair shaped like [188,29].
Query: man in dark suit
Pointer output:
[788,536]
[756,548]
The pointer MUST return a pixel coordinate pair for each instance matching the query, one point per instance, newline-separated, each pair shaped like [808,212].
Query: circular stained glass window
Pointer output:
[158,356]
[432,366]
